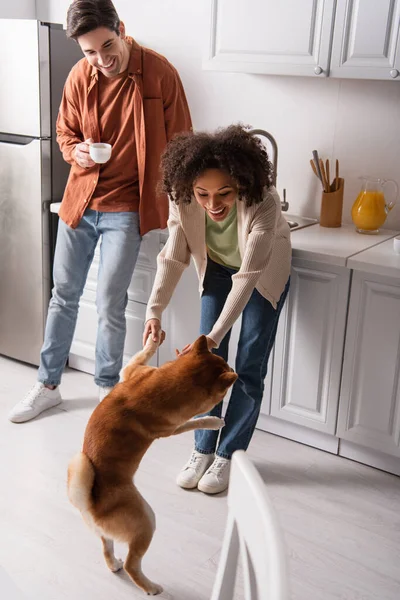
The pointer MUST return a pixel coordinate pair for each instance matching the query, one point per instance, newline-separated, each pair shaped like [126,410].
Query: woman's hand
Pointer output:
[210,343]
[153,328]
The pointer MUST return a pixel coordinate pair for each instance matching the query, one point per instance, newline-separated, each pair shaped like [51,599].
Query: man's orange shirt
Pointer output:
[149,108]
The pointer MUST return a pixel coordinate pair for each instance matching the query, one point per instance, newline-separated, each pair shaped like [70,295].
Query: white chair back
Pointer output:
[252,534]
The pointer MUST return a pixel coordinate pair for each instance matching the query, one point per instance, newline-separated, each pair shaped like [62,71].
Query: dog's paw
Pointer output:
[151,344]
[215,423]
[116,565]
[154,590]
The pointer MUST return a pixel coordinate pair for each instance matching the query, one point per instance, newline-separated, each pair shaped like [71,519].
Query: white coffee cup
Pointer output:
[100,152]
[396,244]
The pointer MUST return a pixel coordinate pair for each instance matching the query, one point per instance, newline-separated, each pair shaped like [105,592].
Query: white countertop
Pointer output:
[340,246]
[381,260]
[334,245]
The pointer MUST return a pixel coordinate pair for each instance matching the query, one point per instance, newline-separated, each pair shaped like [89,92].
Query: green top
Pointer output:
[222,240]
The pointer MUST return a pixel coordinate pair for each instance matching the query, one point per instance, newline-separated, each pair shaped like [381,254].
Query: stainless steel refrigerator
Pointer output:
[32,175]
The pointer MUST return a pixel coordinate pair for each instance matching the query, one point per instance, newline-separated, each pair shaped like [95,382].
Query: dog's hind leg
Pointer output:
[133,563]
[141,358]
[114,564]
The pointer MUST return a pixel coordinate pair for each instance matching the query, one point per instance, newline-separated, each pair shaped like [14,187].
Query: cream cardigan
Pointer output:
[264,245]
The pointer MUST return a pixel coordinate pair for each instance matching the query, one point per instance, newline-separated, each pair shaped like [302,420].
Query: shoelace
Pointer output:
[32,395]
[195,462]
[218,467]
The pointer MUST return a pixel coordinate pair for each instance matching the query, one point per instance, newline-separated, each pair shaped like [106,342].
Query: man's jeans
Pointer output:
[74,253]
[257,336]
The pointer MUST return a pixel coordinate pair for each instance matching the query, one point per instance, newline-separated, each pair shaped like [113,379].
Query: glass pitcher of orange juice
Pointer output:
[370,209]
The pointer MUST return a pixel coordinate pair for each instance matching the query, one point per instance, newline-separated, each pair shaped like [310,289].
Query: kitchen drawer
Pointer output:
[140,286]
[83,349]
[149,249]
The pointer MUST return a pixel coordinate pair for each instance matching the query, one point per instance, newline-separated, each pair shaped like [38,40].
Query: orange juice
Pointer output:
[369,211]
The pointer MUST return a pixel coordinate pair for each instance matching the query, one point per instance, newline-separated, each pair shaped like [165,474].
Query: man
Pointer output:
[133,99]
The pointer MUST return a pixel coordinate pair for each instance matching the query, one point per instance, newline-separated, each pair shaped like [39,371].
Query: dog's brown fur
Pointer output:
[149,403]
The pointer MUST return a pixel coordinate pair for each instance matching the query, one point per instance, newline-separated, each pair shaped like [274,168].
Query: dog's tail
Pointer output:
[80,481]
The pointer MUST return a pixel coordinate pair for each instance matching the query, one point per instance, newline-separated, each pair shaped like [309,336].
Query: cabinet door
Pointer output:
[366,39]
[265,36]
[370,396]
[181,319]
[82,354]
[309,346]
[83,350]
[233,345]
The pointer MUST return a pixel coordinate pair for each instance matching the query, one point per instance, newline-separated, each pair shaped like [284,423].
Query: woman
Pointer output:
[225,213]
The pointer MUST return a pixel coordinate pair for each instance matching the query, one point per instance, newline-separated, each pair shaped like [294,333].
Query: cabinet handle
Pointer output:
[318,70]
[394,73]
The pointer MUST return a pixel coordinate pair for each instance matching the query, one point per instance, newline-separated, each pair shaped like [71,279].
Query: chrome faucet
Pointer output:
[284,204]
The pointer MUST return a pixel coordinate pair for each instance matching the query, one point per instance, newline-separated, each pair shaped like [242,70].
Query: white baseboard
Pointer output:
[297,433]
[366,456]
[79,363]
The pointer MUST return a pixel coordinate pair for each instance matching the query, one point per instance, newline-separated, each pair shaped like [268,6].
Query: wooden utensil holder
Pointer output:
[332,206]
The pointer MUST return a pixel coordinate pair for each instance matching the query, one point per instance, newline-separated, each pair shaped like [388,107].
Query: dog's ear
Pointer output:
[200,345]
[226,379]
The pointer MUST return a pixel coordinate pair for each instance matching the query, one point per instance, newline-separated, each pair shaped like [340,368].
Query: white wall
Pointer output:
[355,121]
[17,9]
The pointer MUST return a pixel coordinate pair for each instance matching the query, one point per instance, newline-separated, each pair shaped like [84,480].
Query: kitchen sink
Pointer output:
[296,222]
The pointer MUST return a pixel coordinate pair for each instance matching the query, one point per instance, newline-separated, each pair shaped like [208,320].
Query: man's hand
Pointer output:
[153,328]
[82,156]
[210,343]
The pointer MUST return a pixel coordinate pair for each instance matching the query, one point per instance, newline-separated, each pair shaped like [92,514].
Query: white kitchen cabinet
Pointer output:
[82,355]
[366,41]
[289,37]
[369,412]
[83,348]
[233,346]
[347,38]
[181,319]
[309,346]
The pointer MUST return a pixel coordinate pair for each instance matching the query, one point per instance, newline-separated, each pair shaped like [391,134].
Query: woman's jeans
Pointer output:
[257,336]
[74,253]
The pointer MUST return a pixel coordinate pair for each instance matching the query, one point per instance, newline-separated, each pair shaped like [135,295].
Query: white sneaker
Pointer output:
[38,399]
[216,478]
[103,392]
[194,469]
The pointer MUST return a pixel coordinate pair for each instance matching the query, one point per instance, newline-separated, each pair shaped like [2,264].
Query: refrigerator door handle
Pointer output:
[16,140]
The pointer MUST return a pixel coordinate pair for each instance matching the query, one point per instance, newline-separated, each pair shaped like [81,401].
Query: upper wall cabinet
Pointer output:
[289,37]
[319,38]
[366,41]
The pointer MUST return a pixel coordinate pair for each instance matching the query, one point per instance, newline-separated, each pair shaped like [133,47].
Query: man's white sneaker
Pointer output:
[216,478]
[38,399]
[103,392]
[194,469]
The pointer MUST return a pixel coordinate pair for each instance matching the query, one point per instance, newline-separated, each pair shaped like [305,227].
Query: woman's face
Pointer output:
[216,192]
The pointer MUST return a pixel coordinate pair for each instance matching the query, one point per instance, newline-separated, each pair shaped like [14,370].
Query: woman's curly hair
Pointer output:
[232,149]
